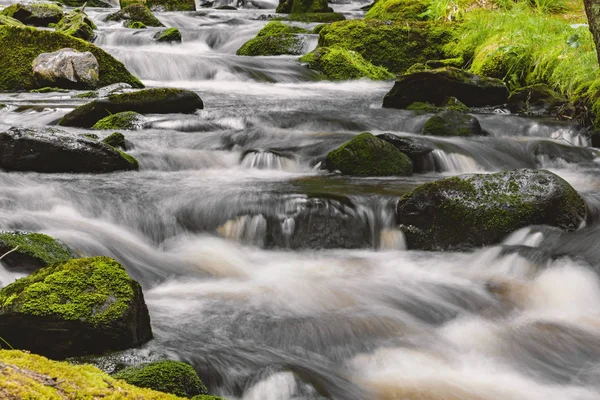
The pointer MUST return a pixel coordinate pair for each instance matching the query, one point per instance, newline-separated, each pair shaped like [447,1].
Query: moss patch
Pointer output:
[116,140]
[42,249]
[341,64]
[169,35]
[19,46]
[135,13]
[10,21]
[323,17]
[303,6]
[77,24]
[124,120]
[29,376]
[172,377]
[86,95]
[163,5]
[36,14]
[398,10]
[49,90]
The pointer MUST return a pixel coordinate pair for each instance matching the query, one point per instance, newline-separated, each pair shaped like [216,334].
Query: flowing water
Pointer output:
[280,281]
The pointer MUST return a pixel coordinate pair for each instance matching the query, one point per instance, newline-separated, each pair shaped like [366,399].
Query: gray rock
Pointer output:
[67,68]
[452,123]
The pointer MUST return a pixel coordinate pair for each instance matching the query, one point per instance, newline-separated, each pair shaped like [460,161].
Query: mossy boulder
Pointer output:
[163,5]
[366,155]
[128,120]
[413,147]
[170,35]
[436,86]
[274,39]
[320,17]
[4,20]
[482,209]
[341,64]
[82,306]
[30,376]
[89,3]
[116,140]
[398,10]
[452,123]
[393,45]
[53,151]
[149,101]
[77,24]
[19,46]
[34,251]
[536,100]
[135,13]
[303,6]
[35,14]
[167,376]
[456,62]
[452,104]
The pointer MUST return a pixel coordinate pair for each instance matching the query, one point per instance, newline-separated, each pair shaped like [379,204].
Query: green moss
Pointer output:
[95,290]
[116,140]
[454,104]
[423,107]
[452,123]
[77,24]
[49,90]
[130,159]
[416,67]
[324,17]
[10,21]
[456,62]
[168,35]
[36,14]
[36,245]
[135,12]
[163,5]
[341,64]
[86,95]
[366,155]
[134,25]
[303,6]
[168,376]
[274,45]
[20,46]
[278,28]
[317,29]
[395,46]
[90,3]
[398,10]
[29,376]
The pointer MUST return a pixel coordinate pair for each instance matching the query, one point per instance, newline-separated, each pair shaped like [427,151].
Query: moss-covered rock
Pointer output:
[366,155]
[436,86]
[482,209]
[19,46]
[399,10]
[168,376]
[29,376]
[135,13]
[4,20]
[53,151]
[34,251]
[128,120]
[82,306]
[36,14]
[317,29]
[413,147]
[303,6]
[452,104]
[77,24]
[149,101]
[536,100]
[170,35]
[49,90]
[456,62]
[89,3]
[163,5]
[341,64]
[134,25]
[274,39]
[394,45]
[322,17]
[86,95]
[452,123]
[116,140]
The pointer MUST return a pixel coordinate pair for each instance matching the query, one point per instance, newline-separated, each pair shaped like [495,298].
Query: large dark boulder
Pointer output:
[149,101]
[536,100]
[452,123]
[414,148]
[366,155]
[436,86]
[36,14]
[83,306]
[482,209]
[51,150]
[31,251]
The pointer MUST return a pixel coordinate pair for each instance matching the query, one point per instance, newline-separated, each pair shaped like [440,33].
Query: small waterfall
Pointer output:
[268,160]
[453,162]
[247,229]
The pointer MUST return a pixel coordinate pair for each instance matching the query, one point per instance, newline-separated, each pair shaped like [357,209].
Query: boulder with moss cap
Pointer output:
[167,376]
[170,35]
[275,39]
[19,46]
[36,14]
[77,24]
[135,13]
[398,10]
[31,251]
[54,151]
[341,64]
[452,123]
[537,99]
[4,20]
[303,6]
[367,155]
[482,209]
[163,5]
[82,306]
[117,140]
[128,120]
[149,101]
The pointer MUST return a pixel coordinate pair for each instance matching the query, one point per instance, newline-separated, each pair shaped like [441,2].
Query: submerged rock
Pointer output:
[436,86]
[366,155]
[67,68]
[340,64]
[536,100]
[82,306]
[124,120]
[414,148]
[19,46]
[167,376]
[482,209]
[303,6]
[33,251]
[274,39]
[452,123]
[135,12]
[77,24]
[36,14]
[149,101]
[171,35]
[51,150]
